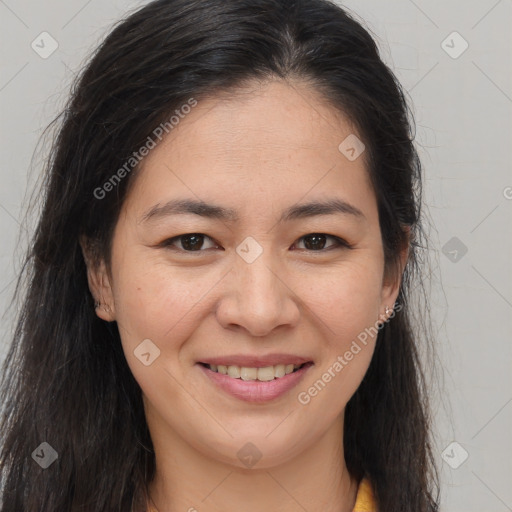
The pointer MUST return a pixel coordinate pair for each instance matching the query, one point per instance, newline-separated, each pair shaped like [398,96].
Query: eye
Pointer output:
[316,242]
[195,242]
[190,242]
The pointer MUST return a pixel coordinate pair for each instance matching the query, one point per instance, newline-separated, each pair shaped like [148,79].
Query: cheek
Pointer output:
[347,305]
[349,325]
[346,298]
[157,301]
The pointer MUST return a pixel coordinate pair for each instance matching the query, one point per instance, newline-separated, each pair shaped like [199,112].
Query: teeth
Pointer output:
[266,373]
[247,373]
[279,370]
[234,371]
[262,374]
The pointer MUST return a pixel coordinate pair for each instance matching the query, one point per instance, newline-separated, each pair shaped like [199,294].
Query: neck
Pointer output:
[316,480]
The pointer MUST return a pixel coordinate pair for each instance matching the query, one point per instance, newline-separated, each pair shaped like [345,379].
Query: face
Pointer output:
[256,281]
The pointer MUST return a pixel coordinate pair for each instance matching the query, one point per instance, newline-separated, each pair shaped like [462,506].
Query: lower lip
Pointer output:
[255,390]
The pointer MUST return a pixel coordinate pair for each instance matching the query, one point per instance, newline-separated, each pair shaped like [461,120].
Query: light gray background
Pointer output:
[463,114]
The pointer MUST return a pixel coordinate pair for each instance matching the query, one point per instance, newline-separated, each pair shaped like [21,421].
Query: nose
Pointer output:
[257,298]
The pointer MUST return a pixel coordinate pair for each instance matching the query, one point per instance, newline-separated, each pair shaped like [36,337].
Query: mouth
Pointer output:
[261,383]
[262,374]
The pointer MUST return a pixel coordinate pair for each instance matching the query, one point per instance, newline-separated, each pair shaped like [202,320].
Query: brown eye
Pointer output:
[317,242]
[190,242]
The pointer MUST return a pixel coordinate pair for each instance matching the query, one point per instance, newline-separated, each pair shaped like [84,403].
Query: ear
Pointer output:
[99,281]
[393,278]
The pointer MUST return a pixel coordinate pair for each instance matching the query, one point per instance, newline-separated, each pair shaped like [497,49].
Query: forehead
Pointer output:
[273,141]
[268,116]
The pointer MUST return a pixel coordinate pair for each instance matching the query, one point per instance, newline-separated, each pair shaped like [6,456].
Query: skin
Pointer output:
[258,151]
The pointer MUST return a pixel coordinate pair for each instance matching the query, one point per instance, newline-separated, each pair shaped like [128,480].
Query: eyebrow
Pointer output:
[298,211]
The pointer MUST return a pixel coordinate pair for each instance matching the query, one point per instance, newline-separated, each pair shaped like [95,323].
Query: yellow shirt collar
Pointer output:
[365,501]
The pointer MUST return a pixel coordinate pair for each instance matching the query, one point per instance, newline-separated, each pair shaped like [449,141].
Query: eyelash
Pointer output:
[340,243]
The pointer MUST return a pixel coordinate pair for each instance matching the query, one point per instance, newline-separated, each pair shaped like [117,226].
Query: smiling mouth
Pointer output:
[262,374]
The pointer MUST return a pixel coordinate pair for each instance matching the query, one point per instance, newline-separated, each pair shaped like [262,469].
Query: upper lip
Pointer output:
[252,361]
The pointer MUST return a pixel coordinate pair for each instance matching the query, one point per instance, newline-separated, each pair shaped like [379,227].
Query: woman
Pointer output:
[218,311]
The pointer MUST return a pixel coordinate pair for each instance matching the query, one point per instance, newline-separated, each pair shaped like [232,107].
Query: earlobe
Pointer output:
[104,311]
[388,315]
[388,299]
[99,284]
[393,280]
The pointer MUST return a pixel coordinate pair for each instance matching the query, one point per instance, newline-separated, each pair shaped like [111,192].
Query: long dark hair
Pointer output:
[66,381]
